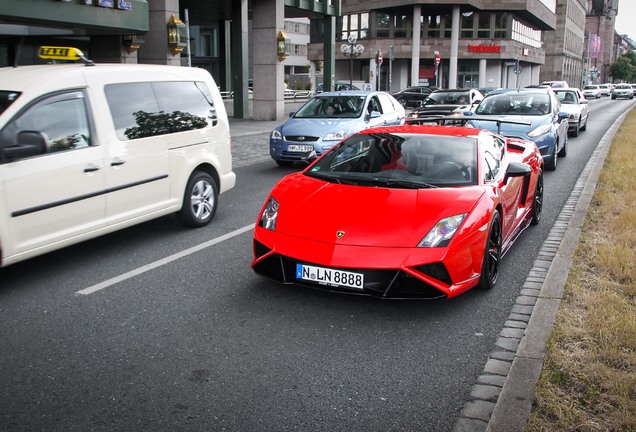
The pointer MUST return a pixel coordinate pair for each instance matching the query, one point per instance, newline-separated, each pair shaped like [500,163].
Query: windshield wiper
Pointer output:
[402,183]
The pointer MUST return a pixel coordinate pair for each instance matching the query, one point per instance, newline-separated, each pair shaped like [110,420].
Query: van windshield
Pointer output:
[7,98]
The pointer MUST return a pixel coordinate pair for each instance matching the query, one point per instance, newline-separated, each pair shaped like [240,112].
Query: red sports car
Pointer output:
[401,212]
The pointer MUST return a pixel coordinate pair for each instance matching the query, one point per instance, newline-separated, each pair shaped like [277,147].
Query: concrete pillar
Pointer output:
[329,50]
[155,48]
[482,72]
[240,62]
[415,50]
[452,67]
[269,72]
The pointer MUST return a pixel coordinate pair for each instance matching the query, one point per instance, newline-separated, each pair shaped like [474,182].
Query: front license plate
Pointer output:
[329,277]
[300,148]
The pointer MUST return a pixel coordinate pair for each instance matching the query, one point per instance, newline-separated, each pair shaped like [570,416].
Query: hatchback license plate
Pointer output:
[330,277]
[300,148]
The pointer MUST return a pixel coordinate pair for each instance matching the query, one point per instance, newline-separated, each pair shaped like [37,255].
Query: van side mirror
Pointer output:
[29,143]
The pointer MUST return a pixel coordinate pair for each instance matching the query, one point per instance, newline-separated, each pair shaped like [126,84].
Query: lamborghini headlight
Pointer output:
[269,215]
[335,136]
[541,130]
[443,231]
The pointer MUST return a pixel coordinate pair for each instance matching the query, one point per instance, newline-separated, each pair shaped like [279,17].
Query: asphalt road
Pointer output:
[159,328]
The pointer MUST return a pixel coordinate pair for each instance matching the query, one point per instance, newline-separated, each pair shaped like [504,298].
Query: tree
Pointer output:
[624,69]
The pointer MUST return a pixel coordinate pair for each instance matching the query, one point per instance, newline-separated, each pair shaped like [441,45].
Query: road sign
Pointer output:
[379,57]
[437,58]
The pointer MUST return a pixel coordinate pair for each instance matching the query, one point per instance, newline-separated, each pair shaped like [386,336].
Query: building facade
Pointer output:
[599,48]
[564,47]
[487,43]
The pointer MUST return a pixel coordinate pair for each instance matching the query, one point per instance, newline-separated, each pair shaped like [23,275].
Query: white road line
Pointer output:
[163,261]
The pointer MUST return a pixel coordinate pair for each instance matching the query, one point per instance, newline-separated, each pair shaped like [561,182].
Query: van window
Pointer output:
[149,109]
[62,118]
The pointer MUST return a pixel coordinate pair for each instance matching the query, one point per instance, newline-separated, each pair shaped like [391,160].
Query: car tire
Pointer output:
[537,201]
[284,164]
[584,127]
[552,164]
[200,200]
[492,254]
[576,130]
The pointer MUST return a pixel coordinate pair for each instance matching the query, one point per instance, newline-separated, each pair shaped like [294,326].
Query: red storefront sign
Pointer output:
[481,48]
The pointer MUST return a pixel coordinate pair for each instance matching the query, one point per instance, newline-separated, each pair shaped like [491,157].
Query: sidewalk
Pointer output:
[250,140]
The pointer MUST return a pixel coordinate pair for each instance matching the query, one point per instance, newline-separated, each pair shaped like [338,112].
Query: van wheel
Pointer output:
[199,200]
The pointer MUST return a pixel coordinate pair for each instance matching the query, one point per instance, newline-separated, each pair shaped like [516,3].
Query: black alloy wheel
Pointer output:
[537,202]
[492,255]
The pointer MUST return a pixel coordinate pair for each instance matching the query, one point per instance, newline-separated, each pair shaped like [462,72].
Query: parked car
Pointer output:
[338,86]
[413,96]
[89,149]
[445,102]
[633,88]
[606,90]
[328,118]
[556,84]
[539,113]
[574,103]
[624,91]
[592,91]
[403,211]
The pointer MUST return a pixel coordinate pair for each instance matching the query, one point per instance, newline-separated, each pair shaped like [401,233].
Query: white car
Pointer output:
[576,105]
[606,90]
[592,91]
[623,91]
[87,149]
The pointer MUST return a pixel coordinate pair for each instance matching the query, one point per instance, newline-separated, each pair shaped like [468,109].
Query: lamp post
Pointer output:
[351,50]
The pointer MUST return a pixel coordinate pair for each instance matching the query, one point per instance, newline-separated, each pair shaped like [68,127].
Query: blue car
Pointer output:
[328,118]
[539,108]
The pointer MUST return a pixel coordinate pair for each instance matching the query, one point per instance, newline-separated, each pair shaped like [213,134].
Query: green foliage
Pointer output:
[624,69]
[161,123]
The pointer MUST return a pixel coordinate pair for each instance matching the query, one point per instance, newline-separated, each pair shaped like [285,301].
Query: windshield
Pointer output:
[448,98]
[403,161]
[514,103]
[590,87]
[338,106]
[7,98]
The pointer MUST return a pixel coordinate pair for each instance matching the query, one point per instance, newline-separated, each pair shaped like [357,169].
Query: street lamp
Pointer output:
[351,50]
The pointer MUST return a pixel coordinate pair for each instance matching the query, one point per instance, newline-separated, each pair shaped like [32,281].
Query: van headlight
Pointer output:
[443,231]
[269,215]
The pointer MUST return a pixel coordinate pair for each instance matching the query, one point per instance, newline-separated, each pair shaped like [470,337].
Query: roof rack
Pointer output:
[63,53]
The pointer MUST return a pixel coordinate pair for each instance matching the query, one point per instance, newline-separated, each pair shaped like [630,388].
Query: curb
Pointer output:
[501,399]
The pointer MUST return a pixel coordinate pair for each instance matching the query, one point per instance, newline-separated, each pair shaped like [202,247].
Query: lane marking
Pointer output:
[163,261]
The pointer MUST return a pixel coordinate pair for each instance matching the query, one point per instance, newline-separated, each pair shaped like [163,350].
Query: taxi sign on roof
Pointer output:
[59,53]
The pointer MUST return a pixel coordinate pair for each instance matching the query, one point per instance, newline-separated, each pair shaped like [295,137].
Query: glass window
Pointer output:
[467,24]
[63,120]
[483,29]
[400,26]
[501,25]
[148,109]
[447,22]
[433,25]
[383,25]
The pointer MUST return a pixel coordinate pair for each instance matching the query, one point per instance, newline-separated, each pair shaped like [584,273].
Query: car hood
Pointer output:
[319,126]
[368,216]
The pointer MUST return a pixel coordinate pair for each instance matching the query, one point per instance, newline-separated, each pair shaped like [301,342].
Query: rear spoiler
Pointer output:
[461,120]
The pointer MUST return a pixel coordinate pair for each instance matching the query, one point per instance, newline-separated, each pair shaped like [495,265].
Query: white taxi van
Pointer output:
[87,149]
